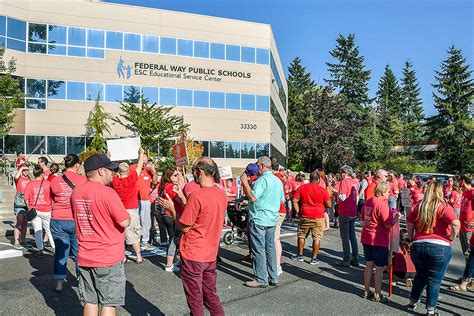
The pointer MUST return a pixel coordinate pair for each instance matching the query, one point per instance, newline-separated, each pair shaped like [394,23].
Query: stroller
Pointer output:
[238,213]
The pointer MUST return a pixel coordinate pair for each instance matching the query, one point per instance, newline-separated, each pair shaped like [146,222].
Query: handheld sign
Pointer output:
[225,172]
[405,197]
[123,149]
[180,154]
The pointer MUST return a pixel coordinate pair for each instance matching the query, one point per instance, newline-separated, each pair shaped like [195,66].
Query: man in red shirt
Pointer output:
[125,184]
[313,199]
[101,220]
[201,225]
[380,175]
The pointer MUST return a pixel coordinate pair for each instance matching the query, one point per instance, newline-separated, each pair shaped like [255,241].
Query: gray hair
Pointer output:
[347,170]
[265,161]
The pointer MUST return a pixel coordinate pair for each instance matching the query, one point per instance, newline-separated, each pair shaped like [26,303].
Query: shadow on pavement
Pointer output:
[135,304]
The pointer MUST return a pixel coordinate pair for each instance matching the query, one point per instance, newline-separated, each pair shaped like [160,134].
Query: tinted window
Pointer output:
[14,144]
[263,149]
[76,90]
[16,45]
[263,56]
[232,101]
[56,50]
[263,103]
[113,93]
[168,45]
[95,53]
[248,150]
[167,96]
[114,40]
[35,104]
[93,90]
[232,52]
[37,33]
[36,88]
[185,97]
[185,47]
[56,145]
[131,94]
[217,51]
[248,54]
[201,99]
[217,100]
[16,29]
[232,150]
[76,145]
[33,141]
[76,36]
[95,38]
[150,44]
[56,89]
[201,49]
[216,149]
[151,94]
[132,42]
[76,51]
[3,25]
[57,34]
[248,102]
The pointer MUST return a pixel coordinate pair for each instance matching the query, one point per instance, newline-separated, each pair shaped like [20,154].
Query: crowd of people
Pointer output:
[98,211]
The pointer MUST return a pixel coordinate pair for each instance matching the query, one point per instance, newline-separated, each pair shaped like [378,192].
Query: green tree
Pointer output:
[11,96]
[368,143]
[388,99]
[97,127]
[299,81]
[151,122]
[412,118]
[453,125]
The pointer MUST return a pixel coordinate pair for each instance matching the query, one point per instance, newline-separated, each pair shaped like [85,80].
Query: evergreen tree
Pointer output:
[97,127]
[349,77]
[413,119]
[453,125]
[388,107]
[11,96]
[299,81]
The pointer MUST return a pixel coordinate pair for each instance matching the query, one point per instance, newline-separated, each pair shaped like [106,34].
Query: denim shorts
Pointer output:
[19,210]
[377,254]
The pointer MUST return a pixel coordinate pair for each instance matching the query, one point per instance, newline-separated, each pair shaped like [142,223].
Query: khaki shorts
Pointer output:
[104,286]
[281,218]
[133,231]
[316,225]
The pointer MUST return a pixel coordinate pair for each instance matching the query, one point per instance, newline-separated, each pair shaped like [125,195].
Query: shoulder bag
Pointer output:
[31,213]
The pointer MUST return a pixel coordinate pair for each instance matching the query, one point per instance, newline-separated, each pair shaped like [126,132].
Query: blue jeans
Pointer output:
[64,236]
[469,270]
[431,262]
[349,240]
[392,202]
[263,250]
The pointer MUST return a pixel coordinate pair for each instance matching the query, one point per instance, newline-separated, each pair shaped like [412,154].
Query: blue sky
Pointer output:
[387,31]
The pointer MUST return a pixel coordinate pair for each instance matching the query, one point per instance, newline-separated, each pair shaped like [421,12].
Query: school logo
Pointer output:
[121,68]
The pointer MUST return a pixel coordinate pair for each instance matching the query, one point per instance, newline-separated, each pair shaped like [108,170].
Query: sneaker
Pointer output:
[273,283]
[39,254]
[411,307]
[343,263]
[354,263]
[314,262]
[18,247]
[172,268]
[336,225]
[147,246]
[279,271]
[297,258]
[254,284]
[26,244]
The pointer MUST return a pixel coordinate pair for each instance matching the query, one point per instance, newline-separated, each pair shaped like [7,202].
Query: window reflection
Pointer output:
[56,145]
[232,149]
[185,47]
[75,145]
[56,89]
[232,101]
[201,99]
[248,102]
[114,40]
[113,93]
[217,100]
[217,51]
[132,42]
[167,96]
[185,97]
[168,45]
[216,149]
[248,150]
[232,52]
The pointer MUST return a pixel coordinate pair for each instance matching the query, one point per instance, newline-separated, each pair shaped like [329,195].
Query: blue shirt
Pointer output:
[268,190]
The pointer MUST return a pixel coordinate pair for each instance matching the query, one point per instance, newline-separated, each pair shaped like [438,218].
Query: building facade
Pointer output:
[223,76]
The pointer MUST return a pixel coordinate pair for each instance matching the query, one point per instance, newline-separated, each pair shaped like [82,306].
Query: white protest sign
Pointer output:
[124,148]
[225,172]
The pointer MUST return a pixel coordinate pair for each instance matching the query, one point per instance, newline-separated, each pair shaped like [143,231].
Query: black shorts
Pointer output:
[377,254]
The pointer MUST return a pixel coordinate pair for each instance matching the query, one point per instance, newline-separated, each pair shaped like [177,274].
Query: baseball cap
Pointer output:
[97,161]
[252,169]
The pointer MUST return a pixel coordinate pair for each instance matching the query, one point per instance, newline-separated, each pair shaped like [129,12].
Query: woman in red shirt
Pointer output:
[22,177]
[378,219]
[432,225]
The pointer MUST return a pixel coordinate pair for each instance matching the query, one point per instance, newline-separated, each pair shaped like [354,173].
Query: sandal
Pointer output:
[458,288]
[380,298]
[366,294]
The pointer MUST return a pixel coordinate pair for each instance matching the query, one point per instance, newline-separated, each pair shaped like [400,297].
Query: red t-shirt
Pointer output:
[178,207]
[466,214]
[282,205]
[46,173]
[370,190]
[21,183]
[455,199]
[393,189]
[442,230]
[295,185]
[61,195]
[19,161]
[448,189]
[401,183]
[190,187]
[126,189]
[402,262]
[376,216]
[52,176]
[143,183]
[97,212]
[44,198]
[348,207]
[311,197]
[231,190]
[204,213]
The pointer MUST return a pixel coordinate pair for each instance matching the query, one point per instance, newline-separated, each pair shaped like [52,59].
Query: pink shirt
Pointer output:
[44,199]
[376,216]
[98,211]
[21,183]
[455,199]
[61,195]
[349,188]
